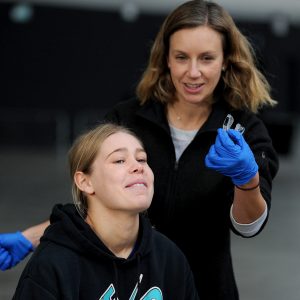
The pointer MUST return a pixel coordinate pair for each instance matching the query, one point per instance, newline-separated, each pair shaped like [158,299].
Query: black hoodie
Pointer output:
[72,263]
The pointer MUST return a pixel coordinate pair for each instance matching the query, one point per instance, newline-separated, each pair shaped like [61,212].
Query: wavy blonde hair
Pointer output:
[242,85]
[83,153]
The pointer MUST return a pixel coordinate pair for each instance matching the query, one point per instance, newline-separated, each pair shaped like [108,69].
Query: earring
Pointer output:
[223,69]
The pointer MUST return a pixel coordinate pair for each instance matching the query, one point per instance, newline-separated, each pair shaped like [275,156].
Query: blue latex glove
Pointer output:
[232,156]
[13,248]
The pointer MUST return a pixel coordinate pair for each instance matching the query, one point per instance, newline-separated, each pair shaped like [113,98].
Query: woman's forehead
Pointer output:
[121,140]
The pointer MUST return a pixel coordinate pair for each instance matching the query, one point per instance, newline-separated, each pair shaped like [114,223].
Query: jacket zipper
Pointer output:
[176,165]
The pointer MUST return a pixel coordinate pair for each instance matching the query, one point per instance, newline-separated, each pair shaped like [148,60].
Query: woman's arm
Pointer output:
[232,157]
[34,233]
[248,204]
[14,247]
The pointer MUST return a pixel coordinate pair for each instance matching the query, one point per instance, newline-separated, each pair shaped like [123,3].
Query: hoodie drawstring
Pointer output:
[116,279]
[139,275]
[137,293]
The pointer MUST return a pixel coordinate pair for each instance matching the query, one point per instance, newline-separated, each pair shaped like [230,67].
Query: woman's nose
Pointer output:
[137,167]
[194,69]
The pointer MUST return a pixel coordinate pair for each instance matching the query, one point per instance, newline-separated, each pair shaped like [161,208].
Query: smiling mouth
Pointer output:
[138,184]
[193,85]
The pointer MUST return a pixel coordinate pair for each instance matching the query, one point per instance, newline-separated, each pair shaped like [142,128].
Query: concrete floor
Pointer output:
[267,267]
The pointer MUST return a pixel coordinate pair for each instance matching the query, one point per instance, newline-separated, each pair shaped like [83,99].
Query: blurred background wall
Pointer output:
[63,64]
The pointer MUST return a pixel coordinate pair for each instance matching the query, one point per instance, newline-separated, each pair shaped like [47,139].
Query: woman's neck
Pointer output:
[118,232]
[187,116]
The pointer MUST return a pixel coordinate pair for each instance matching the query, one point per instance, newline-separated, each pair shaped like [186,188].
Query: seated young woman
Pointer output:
[103,246]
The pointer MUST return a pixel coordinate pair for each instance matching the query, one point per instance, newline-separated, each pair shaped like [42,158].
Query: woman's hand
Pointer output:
[232,156]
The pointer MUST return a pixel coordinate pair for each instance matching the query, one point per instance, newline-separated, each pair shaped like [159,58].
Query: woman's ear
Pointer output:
[83,182]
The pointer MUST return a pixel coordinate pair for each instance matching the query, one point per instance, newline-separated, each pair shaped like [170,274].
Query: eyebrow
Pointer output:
[177,51]
[138,150]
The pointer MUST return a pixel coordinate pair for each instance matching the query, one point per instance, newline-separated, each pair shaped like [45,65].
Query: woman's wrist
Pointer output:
[34,233]
[253,184]
[248,188]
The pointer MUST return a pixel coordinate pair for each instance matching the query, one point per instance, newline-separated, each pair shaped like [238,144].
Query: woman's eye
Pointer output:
[180,57]
[142,160]
[207,58]
[119,161]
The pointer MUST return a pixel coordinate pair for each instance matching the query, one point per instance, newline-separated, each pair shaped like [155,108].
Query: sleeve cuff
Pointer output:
[251,228]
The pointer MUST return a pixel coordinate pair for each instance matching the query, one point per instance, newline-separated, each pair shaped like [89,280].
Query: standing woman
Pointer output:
[202,76]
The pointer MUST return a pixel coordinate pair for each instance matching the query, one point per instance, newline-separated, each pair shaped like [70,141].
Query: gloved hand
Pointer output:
[13,248]
[232,156]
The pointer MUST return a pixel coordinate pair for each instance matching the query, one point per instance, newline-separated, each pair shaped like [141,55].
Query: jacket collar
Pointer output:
[155,112]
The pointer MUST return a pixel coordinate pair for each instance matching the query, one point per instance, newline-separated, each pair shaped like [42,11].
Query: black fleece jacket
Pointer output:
[191,202]
[72,263]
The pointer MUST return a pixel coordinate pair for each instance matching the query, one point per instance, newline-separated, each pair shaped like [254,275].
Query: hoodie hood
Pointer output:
[72,263]
[68,229]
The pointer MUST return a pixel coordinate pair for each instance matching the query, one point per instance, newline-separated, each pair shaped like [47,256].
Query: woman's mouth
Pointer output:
[193,88]
[136,184]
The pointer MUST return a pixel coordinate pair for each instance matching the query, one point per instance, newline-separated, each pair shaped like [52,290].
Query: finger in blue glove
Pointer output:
[225,145]
[5,259]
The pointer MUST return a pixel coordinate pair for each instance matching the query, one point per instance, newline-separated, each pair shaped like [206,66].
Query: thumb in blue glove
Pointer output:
[14,247]
[232,156]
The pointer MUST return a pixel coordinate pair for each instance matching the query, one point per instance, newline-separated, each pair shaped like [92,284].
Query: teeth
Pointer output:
[138,184]
[193,85]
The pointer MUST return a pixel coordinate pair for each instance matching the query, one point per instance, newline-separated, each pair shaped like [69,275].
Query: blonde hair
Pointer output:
[242,85]
[83,153]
